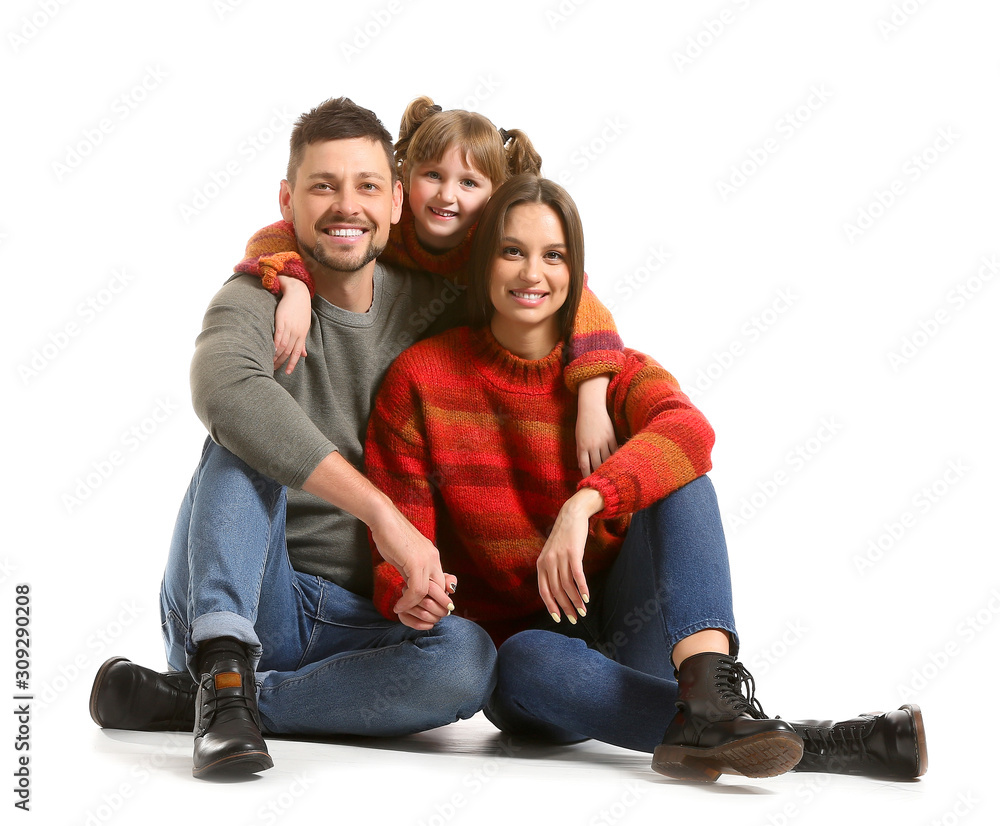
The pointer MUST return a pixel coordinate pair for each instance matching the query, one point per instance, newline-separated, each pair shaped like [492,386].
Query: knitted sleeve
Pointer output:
[669,441]
[595,348]
[398,464]
[271,252]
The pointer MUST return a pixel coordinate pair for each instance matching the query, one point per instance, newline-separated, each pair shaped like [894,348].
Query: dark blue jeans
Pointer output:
[611,678]
[327,662]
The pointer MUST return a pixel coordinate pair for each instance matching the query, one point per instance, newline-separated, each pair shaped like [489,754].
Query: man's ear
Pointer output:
[285,201]
[397,201]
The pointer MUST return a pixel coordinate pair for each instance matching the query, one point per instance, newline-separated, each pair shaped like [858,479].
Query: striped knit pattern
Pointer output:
[477,449]
[595,348]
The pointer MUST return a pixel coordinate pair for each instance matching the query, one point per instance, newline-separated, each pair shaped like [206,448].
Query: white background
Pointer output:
[849,373]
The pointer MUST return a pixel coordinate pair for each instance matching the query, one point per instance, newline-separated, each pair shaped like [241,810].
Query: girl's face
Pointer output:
[446,197]
[529,277]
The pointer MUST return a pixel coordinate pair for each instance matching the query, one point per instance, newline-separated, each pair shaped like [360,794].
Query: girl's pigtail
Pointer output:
[419,110]
[521,154]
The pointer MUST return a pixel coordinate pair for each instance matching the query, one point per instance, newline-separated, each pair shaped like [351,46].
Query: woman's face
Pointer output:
[446,197]
[530,275]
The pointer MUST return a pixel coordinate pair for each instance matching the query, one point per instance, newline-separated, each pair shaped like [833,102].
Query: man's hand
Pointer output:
[561,581]
[428,589]
[427,597]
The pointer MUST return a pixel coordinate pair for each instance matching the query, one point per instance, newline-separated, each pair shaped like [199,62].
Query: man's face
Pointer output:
[342,204]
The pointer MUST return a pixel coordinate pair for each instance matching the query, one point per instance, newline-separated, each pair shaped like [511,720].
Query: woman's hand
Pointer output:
[561,581]
[435,606]
[595,433]
[292,318]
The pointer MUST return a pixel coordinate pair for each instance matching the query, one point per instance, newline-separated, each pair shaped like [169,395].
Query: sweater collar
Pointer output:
[512,373]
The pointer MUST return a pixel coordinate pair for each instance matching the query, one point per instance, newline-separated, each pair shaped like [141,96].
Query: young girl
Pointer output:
[633,554]
[450,163]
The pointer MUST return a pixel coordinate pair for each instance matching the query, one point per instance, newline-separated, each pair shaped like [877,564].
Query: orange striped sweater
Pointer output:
[476,447]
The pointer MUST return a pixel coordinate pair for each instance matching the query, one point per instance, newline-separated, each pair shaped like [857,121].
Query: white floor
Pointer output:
[466,774]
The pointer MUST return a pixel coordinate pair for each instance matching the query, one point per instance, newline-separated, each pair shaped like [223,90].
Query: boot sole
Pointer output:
[921,737]
[236,765]
[767,754]
[98,680]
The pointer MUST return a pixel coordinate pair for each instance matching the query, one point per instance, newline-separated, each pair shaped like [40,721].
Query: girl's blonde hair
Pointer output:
[426,132]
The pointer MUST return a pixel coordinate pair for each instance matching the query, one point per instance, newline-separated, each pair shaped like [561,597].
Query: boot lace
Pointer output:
[841,741]
[739,689]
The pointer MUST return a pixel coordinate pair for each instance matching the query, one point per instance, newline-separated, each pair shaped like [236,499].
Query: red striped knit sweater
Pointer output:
[476,447]
[595,346]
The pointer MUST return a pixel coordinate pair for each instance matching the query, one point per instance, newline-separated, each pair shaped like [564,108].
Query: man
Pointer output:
[266,595]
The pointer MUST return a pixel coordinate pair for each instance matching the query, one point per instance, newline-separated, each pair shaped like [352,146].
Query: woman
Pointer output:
[472,437]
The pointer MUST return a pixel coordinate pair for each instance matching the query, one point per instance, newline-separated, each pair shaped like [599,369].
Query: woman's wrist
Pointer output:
[585,502]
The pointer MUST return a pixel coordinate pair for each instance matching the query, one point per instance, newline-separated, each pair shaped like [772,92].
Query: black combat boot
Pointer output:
[883,744]
[128,696]
[720,729]
[227,738]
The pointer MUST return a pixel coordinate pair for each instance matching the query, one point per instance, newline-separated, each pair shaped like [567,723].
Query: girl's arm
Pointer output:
[669,441]
[271,256]
[292,318]
[596,353]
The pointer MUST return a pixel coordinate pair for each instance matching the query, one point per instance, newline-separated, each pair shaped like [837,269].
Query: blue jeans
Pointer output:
[611,677]
[327,662]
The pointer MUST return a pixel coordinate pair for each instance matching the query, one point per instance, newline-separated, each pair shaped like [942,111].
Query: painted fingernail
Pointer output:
[555,617]
[572,619]
[582,612]
[586,598]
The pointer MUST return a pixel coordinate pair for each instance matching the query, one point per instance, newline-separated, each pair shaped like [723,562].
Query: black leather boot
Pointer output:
[719,729]
[128,696]
[227,738]
[884,744]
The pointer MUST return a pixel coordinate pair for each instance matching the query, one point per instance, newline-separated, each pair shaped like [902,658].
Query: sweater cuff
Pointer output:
[389,587]
[592,364]
[612,500]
